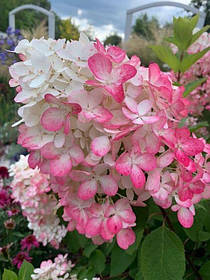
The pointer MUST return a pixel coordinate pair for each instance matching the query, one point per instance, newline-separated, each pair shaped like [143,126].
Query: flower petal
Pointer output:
[87,189]
[100,66]
[100,146]
[185,217]
[52,119]
[137,177]
[61,166]
[108,185]
[125,238]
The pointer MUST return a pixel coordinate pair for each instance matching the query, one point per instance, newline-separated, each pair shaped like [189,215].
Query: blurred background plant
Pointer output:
[68,30]
[17,241]
[37,32]
[146,32]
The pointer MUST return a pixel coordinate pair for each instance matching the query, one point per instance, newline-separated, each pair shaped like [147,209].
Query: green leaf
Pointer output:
[196,233]
[192,85]
[205,271]
[9,275]
[98,260]
[190,59]
[25,271]
[193,21]
[89,249]
[199,33]
[120,261]
[87,273]
[166,55]
[174,41]
[183,27]
[79,241]
[162,256]
[199,125]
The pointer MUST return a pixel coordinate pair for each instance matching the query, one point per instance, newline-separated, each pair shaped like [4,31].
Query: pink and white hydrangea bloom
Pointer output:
[102,135]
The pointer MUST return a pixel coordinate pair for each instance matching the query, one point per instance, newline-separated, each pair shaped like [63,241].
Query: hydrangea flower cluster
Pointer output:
[57,270]
[103,130]
[199,98]
[30,188]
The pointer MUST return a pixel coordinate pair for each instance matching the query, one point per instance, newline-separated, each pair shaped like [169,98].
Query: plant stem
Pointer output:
[179,73]
[170,225]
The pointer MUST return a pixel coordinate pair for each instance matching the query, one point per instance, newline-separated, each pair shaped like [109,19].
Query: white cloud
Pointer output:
[79,12]
[99,32]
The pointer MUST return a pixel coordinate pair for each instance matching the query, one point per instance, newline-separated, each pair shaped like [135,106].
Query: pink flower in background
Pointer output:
[28,242]
[4,198]
[4,174]
[19,258]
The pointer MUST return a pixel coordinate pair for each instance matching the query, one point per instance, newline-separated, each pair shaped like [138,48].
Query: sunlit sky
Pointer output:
[108,16]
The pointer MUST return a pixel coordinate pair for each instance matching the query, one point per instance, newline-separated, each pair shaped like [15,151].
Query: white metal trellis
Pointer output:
[129,14]
[51,17]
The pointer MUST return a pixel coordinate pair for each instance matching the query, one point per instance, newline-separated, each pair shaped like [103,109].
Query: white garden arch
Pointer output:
[129,14]
[51,17]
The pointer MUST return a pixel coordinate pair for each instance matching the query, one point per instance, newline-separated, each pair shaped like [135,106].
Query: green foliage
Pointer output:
[183,38]
[189,59]
[24,19]
[68,30]
[181,61]
[120,261]
[25,271]
[205,271]
[165,54]
[198,232]
[98,260]
[192,85]
[9,275]
[113,40]
[162,256]
[143,26]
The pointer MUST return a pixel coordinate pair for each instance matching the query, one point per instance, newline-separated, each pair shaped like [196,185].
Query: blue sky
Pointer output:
[105,17]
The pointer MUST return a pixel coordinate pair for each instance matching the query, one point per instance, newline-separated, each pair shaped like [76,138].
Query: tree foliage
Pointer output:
[113,40]
[68,30]
[24,19]
[143,26]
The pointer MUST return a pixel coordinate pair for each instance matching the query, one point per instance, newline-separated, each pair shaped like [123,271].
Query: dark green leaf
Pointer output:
[88,273]
[98,260]
[205,271]
[162,256]
[196,232]
[9,275]
[191,86]
[25,271]
[79,241]
[190,59]
[89,249]
[120,261]
[166,55]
